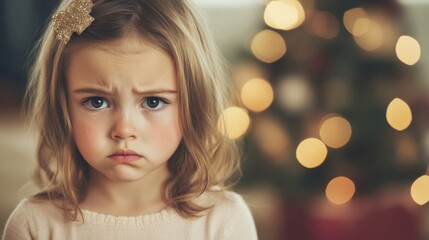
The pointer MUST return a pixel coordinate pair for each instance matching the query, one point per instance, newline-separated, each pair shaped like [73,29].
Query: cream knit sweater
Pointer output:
[230,218]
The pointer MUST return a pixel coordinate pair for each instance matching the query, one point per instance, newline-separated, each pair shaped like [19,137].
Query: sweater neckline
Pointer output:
[128,221]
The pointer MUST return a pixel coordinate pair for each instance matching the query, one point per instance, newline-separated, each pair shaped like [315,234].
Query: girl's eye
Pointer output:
[96,103]
[153,103]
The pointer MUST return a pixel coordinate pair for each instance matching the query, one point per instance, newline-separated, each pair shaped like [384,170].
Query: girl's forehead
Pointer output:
[128,59]
[128,44]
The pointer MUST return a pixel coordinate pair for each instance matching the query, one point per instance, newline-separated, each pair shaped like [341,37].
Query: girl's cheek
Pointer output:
[167,133]
[86,135]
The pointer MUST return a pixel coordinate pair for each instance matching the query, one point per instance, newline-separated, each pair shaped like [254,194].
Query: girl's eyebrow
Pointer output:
[94,90]
[155,91]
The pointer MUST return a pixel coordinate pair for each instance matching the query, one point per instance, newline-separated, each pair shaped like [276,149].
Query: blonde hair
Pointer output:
[204,158]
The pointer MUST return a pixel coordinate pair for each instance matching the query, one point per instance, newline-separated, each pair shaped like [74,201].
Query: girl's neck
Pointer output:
[132,198]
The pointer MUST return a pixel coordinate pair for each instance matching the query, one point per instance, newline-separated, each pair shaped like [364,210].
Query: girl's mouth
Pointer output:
[125,156]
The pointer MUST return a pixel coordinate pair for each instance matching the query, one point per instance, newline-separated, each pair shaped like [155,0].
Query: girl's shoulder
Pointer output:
[229,214]
[31,206]
[27,214]
[30,210]
[224,202]
[221,198]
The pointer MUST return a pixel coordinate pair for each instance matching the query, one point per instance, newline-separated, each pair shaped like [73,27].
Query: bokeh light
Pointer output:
[244,71]
[311,152]
[420,190]
[361,26]
[294,94]
[370,36]
[284,14]
[268,46]
[408,50]
[335,131]
[340,190]
[234,122]
[306,4]
[257,94]
[322,24]
[351,16]
[398,114]
[271,137]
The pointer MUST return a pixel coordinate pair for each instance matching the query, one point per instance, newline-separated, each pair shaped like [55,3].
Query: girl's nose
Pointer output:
[123,128]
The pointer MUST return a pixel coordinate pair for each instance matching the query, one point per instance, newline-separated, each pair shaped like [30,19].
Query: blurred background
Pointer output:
[334,120]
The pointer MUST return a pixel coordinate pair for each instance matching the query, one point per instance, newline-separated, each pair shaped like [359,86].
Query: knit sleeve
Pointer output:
[241,224]
[17,225]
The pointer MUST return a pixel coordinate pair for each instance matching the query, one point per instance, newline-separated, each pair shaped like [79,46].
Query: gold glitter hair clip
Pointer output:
[75,18]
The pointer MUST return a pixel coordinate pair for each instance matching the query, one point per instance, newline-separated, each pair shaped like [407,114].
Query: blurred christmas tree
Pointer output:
[317,82]
[338,121]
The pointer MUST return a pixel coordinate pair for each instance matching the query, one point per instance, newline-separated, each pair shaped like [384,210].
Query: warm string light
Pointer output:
[294,94]
[375,31]
[257,94]
[398,114]
[419,190]
[335,131]
[368,34]
[244,71]
[268,46]
[234,122]
[408,50]
[340,190]
[361,26]
[284,14]
[311,152]
[351,16]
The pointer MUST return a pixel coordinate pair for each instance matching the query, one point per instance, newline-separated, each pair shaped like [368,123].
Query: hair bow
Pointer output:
[75,18]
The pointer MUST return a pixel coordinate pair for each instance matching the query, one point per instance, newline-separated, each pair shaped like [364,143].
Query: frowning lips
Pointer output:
[125,156]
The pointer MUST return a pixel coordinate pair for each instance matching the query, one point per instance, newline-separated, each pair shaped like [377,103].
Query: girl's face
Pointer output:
[124,109]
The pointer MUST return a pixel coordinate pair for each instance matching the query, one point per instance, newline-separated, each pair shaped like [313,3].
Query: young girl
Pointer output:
[127,96]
